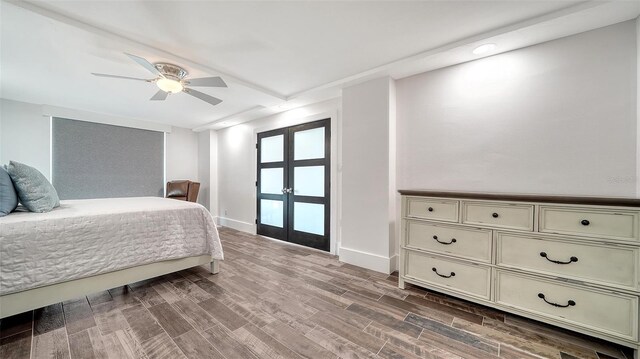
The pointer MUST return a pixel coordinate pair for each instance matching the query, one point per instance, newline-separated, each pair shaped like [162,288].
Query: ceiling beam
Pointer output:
[212,124]
[590,15]
[269,95]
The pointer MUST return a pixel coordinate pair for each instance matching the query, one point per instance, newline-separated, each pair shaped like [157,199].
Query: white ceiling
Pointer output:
[268,52]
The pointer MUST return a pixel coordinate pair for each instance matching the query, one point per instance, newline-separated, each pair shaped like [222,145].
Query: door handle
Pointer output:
[287,190]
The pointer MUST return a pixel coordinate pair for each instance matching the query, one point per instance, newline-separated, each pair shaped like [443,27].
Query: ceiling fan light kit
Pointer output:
[173,79]
[169,85]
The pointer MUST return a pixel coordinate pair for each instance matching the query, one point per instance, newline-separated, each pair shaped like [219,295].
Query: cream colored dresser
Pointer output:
[568,261]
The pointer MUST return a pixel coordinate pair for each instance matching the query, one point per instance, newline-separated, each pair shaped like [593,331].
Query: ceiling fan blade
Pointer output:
[208,81]
[144,63]
[203,96]
[160,96]
[120,77]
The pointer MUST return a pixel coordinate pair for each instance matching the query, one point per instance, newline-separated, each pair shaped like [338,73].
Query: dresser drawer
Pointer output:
[458,241]
[503,215]
[470,279]
[433,208]
[604,264]
[602,311]
[585,221]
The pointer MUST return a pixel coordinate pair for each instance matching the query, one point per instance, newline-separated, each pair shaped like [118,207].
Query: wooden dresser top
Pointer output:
[543,198]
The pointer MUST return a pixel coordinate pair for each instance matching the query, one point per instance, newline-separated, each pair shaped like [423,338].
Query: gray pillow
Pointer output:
[8,195]
[34,190]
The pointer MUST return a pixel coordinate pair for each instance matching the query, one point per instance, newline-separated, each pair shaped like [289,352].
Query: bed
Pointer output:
[85,246]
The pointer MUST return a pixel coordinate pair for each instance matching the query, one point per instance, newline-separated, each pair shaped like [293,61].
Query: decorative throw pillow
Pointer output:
[34,190]
[8,195]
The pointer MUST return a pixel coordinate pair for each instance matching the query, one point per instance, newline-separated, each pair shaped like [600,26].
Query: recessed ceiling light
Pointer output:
[483,49]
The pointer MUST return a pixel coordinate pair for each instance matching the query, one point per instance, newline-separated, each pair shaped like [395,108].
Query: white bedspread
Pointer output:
[82,238]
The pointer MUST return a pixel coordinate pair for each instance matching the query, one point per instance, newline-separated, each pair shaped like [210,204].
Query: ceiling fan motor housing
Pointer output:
[171,71]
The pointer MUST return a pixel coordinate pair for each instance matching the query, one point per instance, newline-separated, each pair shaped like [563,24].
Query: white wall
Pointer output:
[237,164]
[207,161]
[25,135]
[555,118]
[182,154]
[236,177]
[204,168]
[213,173]
[638,106]
[368,175]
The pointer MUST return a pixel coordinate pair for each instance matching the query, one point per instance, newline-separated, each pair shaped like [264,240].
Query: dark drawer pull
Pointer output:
[570,303]
[495,215]
[430,209]
[585,222]
[571,260]
[443,276]
[453,240]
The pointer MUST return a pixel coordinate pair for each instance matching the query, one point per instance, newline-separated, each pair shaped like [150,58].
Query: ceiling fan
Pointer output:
[172,79]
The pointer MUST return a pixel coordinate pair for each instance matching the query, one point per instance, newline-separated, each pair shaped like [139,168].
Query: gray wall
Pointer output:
[92,160]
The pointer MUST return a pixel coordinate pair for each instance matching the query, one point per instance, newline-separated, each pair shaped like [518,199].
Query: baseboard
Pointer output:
[393,263]
[238,225]
[371,261]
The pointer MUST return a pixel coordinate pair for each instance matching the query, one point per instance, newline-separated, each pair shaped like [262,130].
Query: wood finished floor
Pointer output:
[272,300]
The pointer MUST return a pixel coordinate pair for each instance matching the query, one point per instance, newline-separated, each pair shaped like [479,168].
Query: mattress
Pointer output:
[82,238]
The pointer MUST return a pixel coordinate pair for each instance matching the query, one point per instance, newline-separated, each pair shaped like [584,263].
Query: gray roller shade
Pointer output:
[92,160]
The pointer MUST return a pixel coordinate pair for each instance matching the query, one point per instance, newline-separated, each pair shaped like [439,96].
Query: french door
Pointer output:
[294,184]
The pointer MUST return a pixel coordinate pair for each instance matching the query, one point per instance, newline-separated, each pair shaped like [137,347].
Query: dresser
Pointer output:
[567,261]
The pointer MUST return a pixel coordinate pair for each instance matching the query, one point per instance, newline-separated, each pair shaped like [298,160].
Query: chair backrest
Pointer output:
[184,190]
[192,194]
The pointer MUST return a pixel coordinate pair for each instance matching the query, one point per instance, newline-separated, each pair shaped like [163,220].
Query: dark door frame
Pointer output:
[287,233]
[267,230]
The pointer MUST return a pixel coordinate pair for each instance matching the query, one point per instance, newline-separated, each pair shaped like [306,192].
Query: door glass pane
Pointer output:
[309,181]
[271,212]
[308,217]
[309,144]
[272,149]
[271,180]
